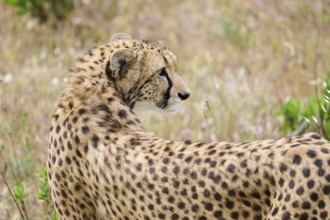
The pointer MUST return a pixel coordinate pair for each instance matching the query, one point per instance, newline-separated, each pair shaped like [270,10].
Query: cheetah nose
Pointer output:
[183,95]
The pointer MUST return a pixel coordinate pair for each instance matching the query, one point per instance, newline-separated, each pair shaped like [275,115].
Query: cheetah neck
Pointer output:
[100,105]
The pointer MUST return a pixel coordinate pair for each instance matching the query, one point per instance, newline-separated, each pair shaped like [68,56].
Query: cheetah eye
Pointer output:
[163,72]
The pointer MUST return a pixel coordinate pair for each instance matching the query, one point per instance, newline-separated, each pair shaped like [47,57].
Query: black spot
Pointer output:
[176,170]
[314,196]
[300,191]
[69,145]
[95,140]
[324,150]
[198,161]
[181,205]
[77,140]
[321,204]
[77,187]
[246,184]
[85,129]
[195,208]
[303,216]
[326,190]
[291,184]
[68,160]
[296,159]
[321,172]
[103,107]
[151,207]
[164,169]
[306,172]
[256,208]
[292,173]
[242,194]
[60,162]
[318,163]
[56,116]
[311,153]
[231,168]
[209,206]
[244,164]
[256,195]
[283,167]
[122,114]
[183,192]
[193,175]
[217,214]
[78,153]
[174,216]
[81,111]
[188,159]
[310,184]
[75,119]
[58,129]
[166,160]
[247,203]
[229,204]
[324,214]
[286,216]
[295,204]
[234,215]
[217,196]
[86,148]
[232,193]
[327,178]
[306,205]
[201,183]
[188,142]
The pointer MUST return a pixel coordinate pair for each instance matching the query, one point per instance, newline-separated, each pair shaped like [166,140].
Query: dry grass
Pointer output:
[241,59]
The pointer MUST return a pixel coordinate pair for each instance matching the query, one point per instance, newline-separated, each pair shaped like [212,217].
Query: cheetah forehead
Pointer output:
[140,47]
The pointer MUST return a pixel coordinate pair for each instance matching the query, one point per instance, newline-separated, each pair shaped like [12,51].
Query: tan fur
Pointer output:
[103,165]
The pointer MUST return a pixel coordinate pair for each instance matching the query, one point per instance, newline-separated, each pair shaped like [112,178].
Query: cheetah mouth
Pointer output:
[163,104]
[165,107]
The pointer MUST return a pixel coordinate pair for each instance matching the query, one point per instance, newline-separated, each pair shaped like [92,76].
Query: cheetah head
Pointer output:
[146,75]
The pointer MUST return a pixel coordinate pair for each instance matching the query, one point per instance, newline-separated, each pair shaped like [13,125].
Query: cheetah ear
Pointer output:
[120,36]
[121,60]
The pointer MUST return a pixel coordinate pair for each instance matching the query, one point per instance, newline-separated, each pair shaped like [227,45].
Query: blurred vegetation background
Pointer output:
[257,69]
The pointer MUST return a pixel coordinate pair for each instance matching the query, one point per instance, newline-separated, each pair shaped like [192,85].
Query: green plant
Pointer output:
[54,216]
[43,10]
[235,36]
[44,193]
[247,138]
[45,196]
[315,115]
[20,196]
[19,193]
[291,110]
[2,147]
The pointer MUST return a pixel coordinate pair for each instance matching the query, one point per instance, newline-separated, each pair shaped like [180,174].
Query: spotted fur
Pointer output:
[102,164]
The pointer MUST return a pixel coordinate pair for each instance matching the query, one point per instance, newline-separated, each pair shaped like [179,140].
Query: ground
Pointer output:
[241,61]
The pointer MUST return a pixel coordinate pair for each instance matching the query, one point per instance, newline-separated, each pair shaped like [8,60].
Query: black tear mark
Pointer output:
[170,85]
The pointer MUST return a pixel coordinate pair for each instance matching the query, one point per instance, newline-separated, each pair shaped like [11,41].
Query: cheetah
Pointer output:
[102,164]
